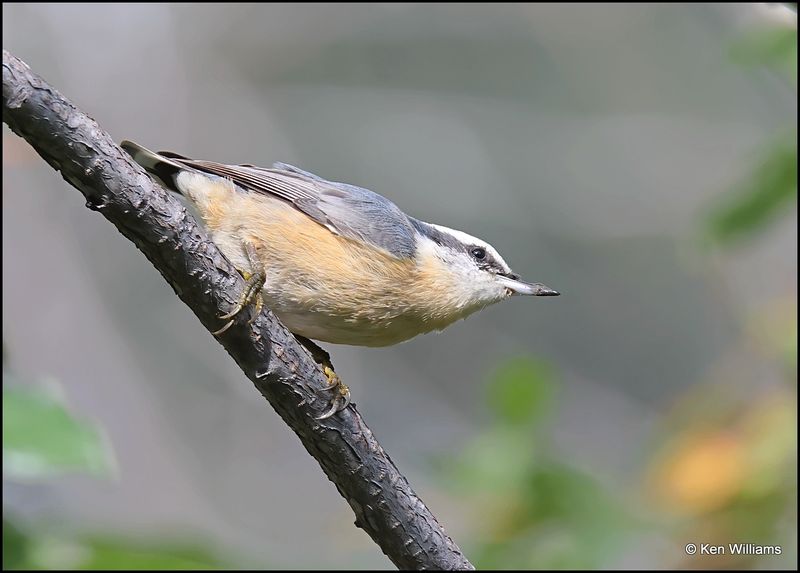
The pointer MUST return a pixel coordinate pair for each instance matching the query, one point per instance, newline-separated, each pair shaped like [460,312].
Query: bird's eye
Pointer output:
[479,253]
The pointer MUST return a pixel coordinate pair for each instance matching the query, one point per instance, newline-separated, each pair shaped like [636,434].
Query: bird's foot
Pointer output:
[341,393]
[341,397]
[254,282]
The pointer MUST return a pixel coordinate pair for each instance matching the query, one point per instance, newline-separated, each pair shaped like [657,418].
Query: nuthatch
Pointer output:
[335,262]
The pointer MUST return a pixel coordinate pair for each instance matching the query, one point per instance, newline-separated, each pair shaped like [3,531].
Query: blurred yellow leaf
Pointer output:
[700,472]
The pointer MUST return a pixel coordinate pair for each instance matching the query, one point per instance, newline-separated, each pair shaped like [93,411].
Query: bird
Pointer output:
[336,263]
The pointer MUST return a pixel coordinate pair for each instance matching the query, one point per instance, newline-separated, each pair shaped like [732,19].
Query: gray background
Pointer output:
[586,143]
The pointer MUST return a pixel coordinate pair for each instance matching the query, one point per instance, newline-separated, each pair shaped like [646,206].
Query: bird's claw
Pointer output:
[342,398]
[223,329]
[250,294]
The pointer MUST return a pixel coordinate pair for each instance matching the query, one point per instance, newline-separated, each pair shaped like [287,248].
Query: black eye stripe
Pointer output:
[486,262]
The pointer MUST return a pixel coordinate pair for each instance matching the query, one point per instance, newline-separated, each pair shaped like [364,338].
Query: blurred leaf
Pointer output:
[547,548]
[41,438]
[558,491]
[109,553]
[25,550]
[15,547]
[769,426]
[498,460]
[534,512]
[521,390]
[563,519]
[773,327]
[774,47]
[767,192]
[699,471]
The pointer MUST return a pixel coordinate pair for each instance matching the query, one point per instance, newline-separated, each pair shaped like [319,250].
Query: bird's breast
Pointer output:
[330,288]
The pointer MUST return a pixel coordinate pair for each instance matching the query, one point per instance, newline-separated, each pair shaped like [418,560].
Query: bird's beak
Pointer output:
[516,286]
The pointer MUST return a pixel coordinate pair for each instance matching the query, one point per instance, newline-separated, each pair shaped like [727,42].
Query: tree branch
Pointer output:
[158,224]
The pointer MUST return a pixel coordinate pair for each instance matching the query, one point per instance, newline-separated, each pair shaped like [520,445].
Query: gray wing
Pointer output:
[346,210]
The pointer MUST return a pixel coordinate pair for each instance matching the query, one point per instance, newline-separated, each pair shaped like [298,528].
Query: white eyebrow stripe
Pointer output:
[467,239]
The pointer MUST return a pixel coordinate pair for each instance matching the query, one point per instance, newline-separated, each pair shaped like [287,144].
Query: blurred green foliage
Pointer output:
[34,550]
[764,195]
[775,48]
[534,511]
[522,391]
[772,186]
[563,519]
[15,547]
[41,440]
[734,477]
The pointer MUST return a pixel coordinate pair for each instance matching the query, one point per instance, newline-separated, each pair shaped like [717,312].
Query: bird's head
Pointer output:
[477,275]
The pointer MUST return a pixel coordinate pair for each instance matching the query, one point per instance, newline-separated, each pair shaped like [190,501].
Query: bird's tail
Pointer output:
[163,165]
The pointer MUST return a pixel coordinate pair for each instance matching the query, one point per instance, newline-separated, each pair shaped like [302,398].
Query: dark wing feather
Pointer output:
[349,211]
